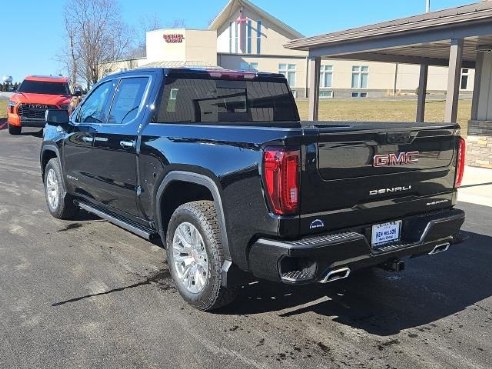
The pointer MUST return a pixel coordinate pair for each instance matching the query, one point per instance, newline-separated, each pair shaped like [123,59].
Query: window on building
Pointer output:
[249,66]
[326,76]
[465,72]
[360,75]
[258,36]
[326,94]
[289,71]
[230,37]
[236,37]
[250,32]
[359,94]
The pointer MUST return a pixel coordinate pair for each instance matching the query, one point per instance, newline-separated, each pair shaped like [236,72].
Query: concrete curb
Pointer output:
[477,186]
[475,199]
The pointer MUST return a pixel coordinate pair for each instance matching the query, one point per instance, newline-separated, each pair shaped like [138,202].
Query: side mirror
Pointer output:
[56,117]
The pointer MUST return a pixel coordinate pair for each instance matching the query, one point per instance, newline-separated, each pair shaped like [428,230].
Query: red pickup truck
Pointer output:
[34,96]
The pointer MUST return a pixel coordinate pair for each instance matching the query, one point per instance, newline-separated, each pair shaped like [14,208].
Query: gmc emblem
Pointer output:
[401,158]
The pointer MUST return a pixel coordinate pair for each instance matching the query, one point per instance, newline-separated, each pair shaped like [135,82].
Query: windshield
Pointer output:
[45,88]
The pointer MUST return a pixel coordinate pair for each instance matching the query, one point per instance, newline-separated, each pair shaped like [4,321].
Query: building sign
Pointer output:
[175,38]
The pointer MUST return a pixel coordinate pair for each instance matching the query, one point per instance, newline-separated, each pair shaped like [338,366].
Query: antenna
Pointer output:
[427,6]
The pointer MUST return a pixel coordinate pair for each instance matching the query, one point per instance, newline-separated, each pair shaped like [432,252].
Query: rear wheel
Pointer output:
[14,130]
[195,256]
[60,203]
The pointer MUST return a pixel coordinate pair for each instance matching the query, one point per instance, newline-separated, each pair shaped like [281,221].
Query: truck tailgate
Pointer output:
[371,172]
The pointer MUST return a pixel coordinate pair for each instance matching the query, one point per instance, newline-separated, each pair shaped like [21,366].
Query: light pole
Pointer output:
[427,6]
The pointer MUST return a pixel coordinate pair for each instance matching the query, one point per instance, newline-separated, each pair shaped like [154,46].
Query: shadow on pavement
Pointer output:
[84,216]
[38,134]
[477,185]
[383,303]
[29,132]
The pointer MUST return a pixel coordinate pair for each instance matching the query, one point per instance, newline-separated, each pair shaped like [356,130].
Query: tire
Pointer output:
[60,203]
[201,286]
[14,130]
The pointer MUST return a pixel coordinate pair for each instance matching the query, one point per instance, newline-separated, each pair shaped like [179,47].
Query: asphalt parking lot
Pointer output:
[86,294]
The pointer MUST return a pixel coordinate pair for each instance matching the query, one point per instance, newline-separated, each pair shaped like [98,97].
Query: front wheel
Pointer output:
[14,130]
[195,256]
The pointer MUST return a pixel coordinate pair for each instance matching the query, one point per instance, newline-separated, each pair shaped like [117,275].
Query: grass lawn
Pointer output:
[3,109]
[384,110]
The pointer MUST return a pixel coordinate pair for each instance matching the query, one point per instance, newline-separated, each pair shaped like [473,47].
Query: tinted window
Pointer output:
[45,88]
[93,108]
[127,100]
[209,100]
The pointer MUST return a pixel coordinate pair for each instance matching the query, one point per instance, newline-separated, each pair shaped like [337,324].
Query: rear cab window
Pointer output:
[202,99]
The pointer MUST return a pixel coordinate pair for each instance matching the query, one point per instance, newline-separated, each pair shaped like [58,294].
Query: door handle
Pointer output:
[127,144]
[87,139]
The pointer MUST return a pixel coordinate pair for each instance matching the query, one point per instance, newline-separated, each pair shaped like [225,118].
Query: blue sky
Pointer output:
[33,29]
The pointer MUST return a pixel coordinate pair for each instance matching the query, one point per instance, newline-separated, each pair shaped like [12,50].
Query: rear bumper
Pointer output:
[311,259]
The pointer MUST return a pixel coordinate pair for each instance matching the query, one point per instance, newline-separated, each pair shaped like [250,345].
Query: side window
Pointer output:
[128,97]
[93,108]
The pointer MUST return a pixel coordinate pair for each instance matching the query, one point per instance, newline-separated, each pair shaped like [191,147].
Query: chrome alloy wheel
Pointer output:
[52,189]
[190,257]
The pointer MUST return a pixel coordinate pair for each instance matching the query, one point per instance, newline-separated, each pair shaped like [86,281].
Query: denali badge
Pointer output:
[383,191]
[401,158]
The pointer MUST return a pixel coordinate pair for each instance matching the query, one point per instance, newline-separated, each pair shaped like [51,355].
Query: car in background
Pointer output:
[36,94]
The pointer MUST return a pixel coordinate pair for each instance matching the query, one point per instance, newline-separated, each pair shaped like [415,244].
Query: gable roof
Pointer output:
[233,5]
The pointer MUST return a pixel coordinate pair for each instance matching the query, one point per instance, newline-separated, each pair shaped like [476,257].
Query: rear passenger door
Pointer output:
[115,147]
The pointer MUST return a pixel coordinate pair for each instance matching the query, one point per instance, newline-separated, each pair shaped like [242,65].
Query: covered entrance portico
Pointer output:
[458,38]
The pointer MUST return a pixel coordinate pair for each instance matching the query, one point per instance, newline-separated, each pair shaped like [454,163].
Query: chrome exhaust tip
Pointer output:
[440,248]
[335,275]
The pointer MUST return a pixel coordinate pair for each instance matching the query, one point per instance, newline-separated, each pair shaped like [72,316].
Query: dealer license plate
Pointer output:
[386,233]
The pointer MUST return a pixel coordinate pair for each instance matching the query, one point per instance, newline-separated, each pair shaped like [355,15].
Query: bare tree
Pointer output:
[146,24]
[73,57]
[177,23]
[95,34]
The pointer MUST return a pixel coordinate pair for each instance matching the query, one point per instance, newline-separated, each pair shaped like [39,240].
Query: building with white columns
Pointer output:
[244,36]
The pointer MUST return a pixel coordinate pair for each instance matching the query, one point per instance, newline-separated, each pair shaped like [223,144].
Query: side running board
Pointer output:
[139,231]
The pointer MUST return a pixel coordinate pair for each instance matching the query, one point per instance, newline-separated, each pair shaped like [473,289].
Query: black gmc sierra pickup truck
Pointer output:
[218,165]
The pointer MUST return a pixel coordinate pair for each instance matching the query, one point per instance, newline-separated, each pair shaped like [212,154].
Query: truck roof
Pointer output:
[56,79]
[210,71]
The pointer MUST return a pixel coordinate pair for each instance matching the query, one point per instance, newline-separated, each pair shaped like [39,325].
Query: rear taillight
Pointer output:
[281,173]
[460,163]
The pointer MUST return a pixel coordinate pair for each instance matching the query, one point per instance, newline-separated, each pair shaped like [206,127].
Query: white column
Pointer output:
[484,92]
[424,72]
[454,75]
[314,76]
[477,85]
